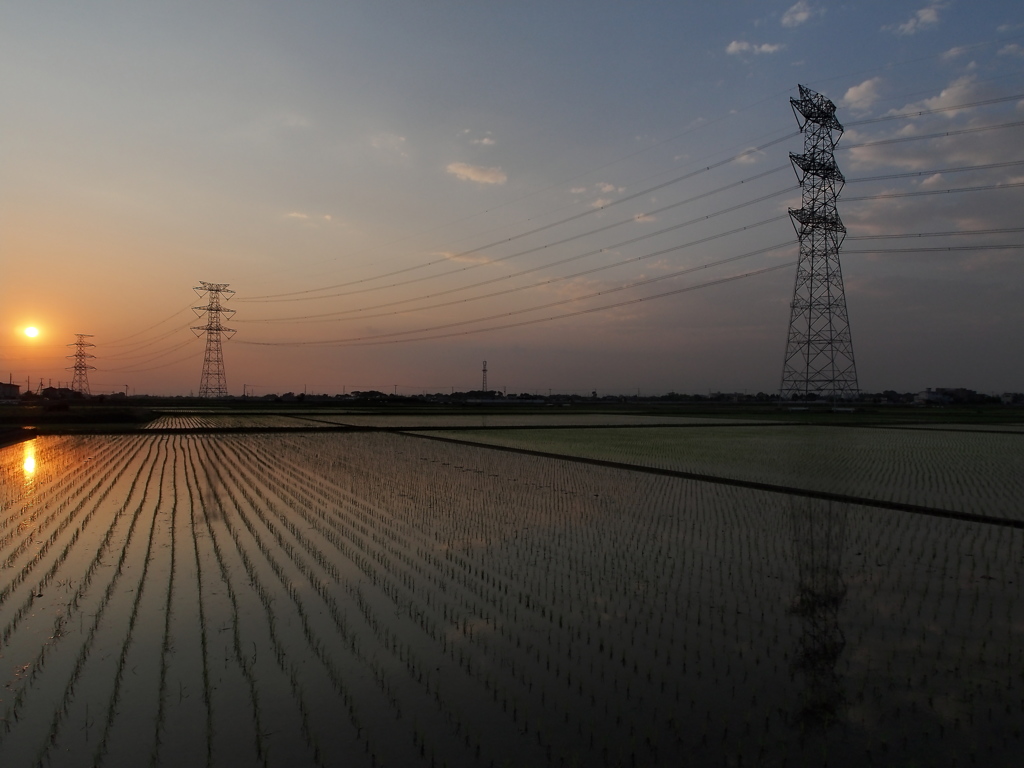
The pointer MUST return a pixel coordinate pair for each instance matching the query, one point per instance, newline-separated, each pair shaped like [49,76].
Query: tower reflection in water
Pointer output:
[819,533]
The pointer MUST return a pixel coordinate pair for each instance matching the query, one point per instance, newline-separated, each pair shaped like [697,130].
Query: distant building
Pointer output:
[10,391]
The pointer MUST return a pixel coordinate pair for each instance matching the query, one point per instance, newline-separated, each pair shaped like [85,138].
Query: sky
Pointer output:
[590,196]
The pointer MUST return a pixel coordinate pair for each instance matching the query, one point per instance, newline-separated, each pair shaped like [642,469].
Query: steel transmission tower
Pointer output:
[80,381]
[819,352]
[484,386]
[213,382]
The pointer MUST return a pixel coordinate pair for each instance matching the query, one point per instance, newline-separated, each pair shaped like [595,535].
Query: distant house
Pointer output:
[10,391]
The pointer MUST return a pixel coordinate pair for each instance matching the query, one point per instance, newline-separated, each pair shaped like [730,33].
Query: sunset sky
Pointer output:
[398,190]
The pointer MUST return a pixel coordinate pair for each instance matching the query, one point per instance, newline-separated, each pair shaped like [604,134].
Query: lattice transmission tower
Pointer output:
[213,382]
[483,387]
[80,380]
[819,352]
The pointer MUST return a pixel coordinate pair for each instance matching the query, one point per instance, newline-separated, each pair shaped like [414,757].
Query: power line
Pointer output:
[937,110]
[546,246]
[941,135]
[925,249]
[592,310]
[544,283]
[545,227]
[960,169]
[560,302]
[926,192]
[1007,231]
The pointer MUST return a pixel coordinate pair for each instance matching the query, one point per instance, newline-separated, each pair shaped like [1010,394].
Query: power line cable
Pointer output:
[534,231]
[596,251]
[591,310]
[334,315]
[960,169]
[561,302]
[937,110]
[926,192]
[938,234]
[943,134]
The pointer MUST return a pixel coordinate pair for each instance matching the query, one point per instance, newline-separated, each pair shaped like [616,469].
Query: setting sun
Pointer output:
[31,332]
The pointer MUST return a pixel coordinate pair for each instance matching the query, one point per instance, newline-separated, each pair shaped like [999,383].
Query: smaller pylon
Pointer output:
[80,380]
[484,387]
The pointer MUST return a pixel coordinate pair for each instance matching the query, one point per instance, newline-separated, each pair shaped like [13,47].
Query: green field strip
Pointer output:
[739,483]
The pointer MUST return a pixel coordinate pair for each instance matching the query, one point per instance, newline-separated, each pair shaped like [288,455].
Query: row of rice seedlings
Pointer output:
[549,664]
[287,579]
[389,639]
[911,542]
[128,650]
[280,568]
[57,479]
[642,623]
[961,471]
[45,678]
[92,502]
[181,422]
[257,726]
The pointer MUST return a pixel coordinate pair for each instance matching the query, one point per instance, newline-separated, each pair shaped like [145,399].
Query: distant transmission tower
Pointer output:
[484,387]
[213,382]
[819,352]
[80,381]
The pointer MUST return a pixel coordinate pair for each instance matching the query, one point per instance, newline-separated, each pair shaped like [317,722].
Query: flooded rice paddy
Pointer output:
[390,599]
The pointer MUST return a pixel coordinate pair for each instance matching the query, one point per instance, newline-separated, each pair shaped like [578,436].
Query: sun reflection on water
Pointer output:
[29,465]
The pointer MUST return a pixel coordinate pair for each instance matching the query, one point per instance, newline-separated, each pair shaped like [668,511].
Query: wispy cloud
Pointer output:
[391,144]
[861,97]
[799,13]
[741,46]
[922,19]
[465,258]
[749,156]
[1013,49]
[478,173]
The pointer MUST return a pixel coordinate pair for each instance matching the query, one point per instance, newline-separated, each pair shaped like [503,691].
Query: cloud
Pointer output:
[741,46]
[798,13]
[478,173]
[390,143]
[1011,50]
[486,141]
[577,190]
[465,258]
[606,187]
[645,217]
[861,97]
[925,17]
[749,156]
[298,216]
[960,91]
[601,202]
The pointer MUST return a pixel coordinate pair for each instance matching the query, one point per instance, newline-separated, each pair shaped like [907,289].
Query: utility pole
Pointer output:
[819,352]
[80,380]
[213,382]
